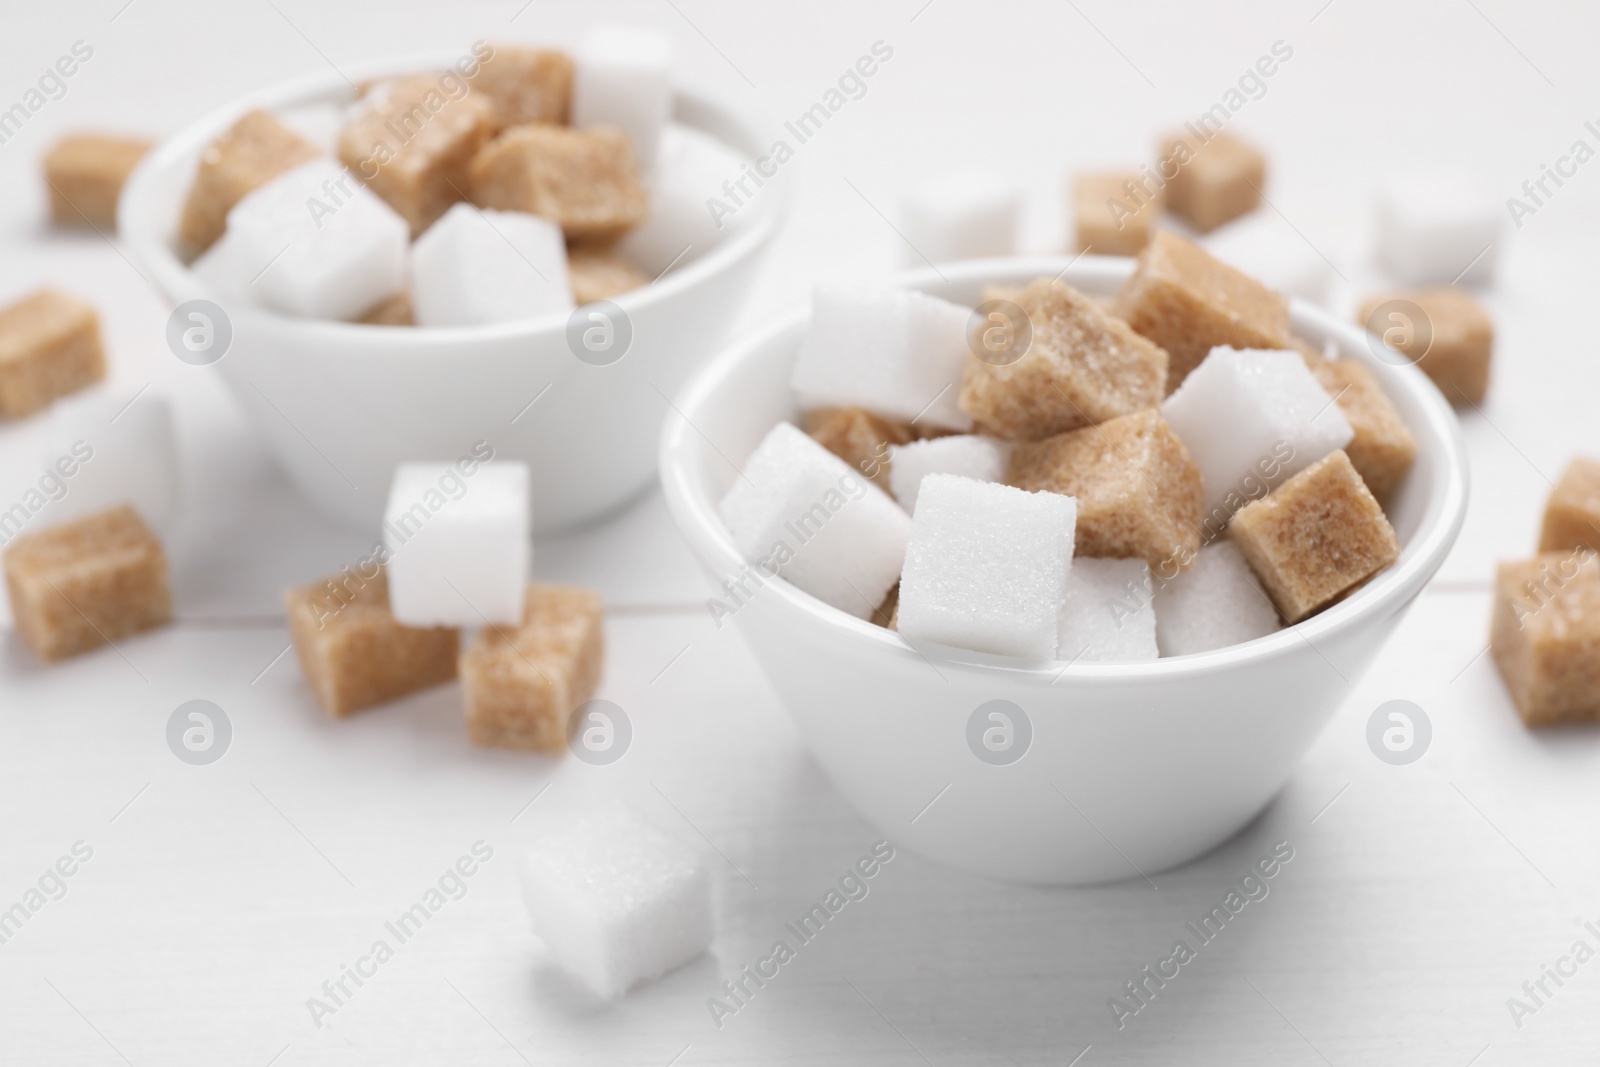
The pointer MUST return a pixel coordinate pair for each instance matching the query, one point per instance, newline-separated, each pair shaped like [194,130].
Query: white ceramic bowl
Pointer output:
[1132,767]
[340,404]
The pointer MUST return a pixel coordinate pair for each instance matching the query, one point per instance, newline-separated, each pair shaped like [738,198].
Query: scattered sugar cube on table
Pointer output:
[49,347]
[459,537]
[354,653]
[986,567]
[1217,602]
[969,455]
[1081,366]
[1138,489]
[1437,227]
[617,901]
[623,78]
[1187,301]
[312,242]
[522,683]
[965,214]
[524,85]
[246,156]
[1252,418]
[860,438]
[1114,212]
[585,181]
[1218,178]
[1572,514]
[690,169]
[1268,249]
[413,146]
[474,267]
[1444,331]
[1316,537]
[1381,446]
[1545,636]
[1106,614]
[601,273]
[895,352]
[799,512]
[85,174]
[79,585]
[120,447]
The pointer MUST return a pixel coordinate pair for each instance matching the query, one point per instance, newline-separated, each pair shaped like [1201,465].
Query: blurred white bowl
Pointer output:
[1131,768]
[341,404]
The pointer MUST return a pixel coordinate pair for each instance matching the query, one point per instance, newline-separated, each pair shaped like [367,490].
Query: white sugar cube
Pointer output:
[1437,227]
[313,242]
[616,901]
[125,451]
[319,124]
[895,352]
[1217,602]
[622,77]
[690,211]
[458,536]
[801,512]
[965,214]
[1269,250]
[986,567]
[969,455]
[474,267]
[1106,613]
[1252,418]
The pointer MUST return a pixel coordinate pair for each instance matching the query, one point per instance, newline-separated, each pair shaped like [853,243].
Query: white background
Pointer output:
[219,899]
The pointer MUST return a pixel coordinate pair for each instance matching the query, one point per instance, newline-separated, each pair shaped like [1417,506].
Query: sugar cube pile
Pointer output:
[585,189]
[617,901]
[1544,631]
[1069,501]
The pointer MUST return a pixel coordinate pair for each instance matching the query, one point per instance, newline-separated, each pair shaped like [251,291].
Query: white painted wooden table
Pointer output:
[218,899]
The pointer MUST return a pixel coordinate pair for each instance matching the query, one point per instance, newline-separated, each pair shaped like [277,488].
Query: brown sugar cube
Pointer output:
[413,145]
[353,652]
[249,154]
[391,311]
[524,85]
[1382,449]
[1082,366]
[49,347]
[1114,214]
[1315,537]
[860,438]
[1188,301]
[1545,636]
[598,273]
[86,583]
[1444,331]
[1138,489]
[523,683]
[585,181]
[1218,178]
[1572,516]
[887,614]
[85,174]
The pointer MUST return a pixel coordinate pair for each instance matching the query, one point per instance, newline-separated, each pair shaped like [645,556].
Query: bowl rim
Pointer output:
[139,229]
[1443,513]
